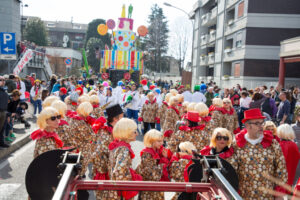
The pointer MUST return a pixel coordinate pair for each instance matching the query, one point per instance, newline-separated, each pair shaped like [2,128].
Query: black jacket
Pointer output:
[4,99]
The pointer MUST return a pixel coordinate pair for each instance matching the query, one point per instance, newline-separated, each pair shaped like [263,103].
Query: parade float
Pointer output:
[122,61]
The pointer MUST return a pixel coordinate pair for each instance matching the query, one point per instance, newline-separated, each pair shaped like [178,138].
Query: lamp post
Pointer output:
[22,7]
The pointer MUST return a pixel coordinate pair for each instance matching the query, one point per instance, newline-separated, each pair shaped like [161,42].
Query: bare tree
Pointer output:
[181,40]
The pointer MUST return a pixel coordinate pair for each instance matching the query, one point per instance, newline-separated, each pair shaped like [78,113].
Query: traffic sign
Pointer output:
[8,45]
[68,61]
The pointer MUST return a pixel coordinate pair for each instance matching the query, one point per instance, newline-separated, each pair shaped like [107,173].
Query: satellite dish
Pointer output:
[66,39]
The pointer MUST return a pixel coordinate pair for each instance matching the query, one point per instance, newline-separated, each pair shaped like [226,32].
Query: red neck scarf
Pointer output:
[70,113]
[116,143]
[63,122]
[18,85]
[38,134]
[155,154]
[224,111]
[96,106]
[165,103]
[188,129]
[74,103]
[212,108]
[266,141]
[177,157]
[89,120]
[206,151]
[99,124]
[147,101]
[175,109]
[206,119]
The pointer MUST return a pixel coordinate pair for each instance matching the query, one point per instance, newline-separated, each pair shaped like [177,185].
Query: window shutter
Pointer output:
[237,70]
[241,9]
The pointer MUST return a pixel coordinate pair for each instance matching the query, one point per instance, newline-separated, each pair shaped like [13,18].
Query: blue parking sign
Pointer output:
[7,43]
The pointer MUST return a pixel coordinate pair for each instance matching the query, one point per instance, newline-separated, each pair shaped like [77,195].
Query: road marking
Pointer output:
[8,189]
[17,154]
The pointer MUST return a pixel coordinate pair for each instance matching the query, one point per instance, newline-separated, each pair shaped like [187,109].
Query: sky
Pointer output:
[84,11]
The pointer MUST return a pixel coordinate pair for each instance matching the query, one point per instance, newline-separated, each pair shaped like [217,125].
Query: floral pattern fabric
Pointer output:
[149,112]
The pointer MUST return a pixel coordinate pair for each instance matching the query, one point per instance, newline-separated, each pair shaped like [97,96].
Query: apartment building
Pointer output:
[238,41]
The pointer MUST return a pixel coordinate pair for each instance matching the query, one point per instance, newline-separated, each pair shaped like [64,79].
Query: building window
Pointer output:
[241,9]
[237,69]
[76,26]
[51,25]
[79,37]
[239,37]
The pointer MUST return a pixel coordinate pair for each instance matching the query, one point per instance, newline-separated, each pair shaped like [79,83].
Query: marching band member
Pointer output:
[158,96]
[216,113]
[192,133]
[108,98]
[120,159]
[179,163]
[133,107]
[220,144]
[163,109]
[257,152]
[154,162]
[172,116]
[46,137]
[104,138]
[97,110]
[149,113]
[49,100]
[230,118]
[63,130]
[82,133]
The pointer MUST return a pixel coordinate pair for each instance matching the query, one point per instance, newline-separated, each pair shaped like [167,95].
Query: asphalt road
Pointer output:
[13,170]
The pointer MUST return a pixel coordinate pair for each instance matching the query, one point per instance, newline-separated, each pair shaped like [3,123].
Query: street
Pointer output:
[13,170]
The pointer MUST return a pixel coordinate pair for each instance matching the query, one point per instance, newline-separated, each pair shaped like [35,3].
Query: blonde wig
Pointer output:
[94,99]
[202,109]
[49,100]
[92,92]
[227,100]
[68,100]
[185,104]
[187,147]
[85,109]
[217,102]
[83,98]
[150,94]
[191,107]
[152,136]
[180,98]
[286,132]
[125,130]
[173,100]
[168,96]
[60,106]
[270,124]
[220,132]
[46,113]
[174,92]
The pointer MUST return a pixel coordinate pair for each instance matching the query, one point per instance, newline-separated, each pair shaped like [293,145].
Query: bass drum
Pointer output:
[195,172]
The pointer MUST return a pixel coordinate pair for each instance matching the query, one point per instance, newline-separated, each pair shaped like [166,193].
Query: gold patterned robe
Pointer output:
[149,112]
[172,116]
[162,113]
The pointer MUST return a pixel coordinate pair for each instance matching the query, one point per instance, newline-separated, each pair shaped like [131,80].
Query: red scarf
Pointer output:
[147,101]
[266,142]
[38,134]
[188,129]
[206,151]
[70,113]
[175,109]
[96,106]
[99,124]
[165,103]
[36,90]
[63,122]
[224,111]
[74,103]
[89,120]
[154,154]
[212,108]
[116,143]
[206,119]
[18,85]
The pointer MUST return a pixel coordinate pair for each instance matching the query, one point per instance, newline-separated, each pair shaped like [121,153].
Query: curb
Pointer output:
[20,142]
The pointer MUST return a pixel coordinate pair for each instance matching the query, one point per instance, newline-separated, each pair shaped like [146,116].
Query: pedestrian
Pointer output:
[3,108]
[209,95]
[46,137]
[120,159]
[154,163]
[36,95]
[10,84]
[198,96]
[133,106]
[257,153]
[296,128]
[63,93]
[270,126]
[283,109]
[32,78]
[289,150]
[20,85]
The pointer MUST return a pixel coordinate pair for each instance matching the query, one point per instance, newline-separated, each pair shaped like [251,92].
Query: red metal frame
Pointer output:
[208,190]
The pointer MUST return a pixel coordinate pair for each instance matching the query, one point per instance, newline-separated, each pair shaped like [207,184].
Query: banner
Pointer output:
[27,56]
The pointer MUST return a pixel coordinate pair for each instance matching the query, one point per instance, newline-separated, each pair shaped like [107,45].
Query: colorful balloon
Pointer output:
[102,29]
[111,24]
[142,31]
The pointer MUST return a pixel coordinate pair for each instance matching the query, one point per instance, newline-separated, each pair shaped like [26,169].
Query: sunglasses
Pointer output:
[226,102]
[53,118]
[226,138]
[2,80]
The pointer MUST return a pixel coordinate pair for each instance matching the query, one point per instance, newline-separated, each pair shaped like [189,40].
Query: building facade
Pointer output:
[238,41]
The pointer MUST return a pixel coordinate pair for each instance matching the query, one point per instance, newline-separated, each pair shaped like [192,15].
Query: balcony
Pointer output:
[213,15]
[204,2]
[209,18]
[203,60]
[231,3]
[204,39]
[233,54]
[212,35]
[205,18]
[211,58]
[235,25]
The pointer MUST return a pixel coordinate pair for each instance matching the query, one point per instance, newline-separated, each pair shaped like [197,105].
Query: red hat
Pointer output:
[63,90]
[144,82]
[192,116]
[152,87]
[181,87]
[252,114]
[79,89]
